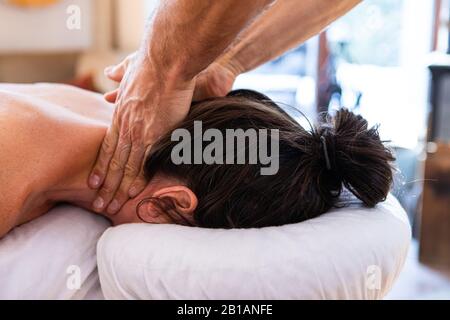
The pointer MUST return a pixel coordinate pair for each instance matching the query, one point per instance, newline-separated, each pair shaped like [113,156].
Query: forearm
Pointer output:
[185,36]
[284,26]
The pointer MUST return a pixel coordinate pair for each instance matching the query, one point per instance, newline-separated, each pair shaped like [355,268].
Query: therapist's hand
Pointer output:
[215,81]
[149,104]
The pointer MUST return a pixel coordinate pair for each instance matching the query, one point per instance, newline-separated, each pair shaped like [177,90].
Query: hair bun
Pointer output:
[353,156]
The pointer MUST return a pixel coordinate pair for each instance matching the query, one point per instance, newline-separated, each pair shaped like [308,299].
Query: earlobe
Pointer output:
[148,211]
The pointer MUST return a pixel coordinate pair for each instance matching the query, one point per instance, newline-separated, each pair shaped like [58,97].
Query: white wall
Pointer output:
[38,30]
[131,18]
[102,25]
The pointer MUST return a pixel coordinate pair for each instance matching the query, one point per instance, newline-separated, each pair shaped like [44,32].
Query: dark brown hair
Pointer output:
[307,183]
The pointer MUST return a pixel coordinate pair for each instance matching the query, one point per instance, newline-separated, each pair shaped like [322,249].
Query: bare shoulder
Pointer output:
[40,140]
[80,102]
[37,131]
[44,89]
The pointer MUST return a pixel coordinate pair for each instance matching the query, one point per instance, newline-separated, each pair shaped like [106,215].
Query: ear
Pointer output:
[180,198]
[183,199]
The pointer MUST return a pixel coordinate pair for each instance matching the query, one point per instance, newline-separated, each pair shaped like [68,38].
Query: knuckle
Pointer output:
[107,190]
[115,165]
[107,146]
[123,153]
[130,170]
[124,146]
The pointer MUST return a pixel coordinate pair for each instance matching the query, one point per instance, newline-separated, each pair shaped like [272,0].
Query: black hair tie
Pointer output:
[325,152]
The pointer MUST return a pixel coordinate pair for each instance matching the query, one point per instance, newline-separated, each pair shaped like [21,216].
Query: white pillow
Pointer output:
[35,258]
[349,253]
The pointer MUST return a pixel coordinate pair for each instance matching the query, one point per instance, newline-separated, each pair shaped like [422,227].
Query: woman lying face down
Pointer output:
[313,168]
[50,136]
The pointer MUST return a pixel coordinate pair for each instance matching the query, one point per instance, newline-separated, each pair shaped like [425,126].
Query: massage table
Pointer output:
[349,253]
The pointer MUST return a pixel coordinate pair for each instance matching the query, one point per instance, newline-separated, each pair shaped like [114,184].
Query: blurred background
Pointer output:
[388,60]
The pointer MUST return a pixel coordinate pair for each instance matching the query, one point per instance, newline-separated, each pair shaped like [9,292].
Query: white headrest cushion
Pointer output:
[349,253]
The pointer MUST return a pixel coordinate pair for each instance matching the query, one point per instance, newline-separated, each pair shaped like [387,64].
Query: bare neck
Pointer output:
[73,189]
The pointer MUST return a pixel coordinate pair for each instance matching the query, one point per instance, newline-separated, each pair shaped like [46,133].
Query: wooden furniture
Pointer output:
[435,213]
[435,222]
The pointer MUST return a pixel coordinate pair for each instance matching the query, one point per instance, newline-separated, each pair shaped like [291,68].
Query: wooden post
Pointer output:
[435,222]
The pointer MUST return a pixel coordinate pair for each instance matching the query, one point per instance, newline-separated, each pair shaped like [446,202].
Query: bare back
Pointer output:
[47,132]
